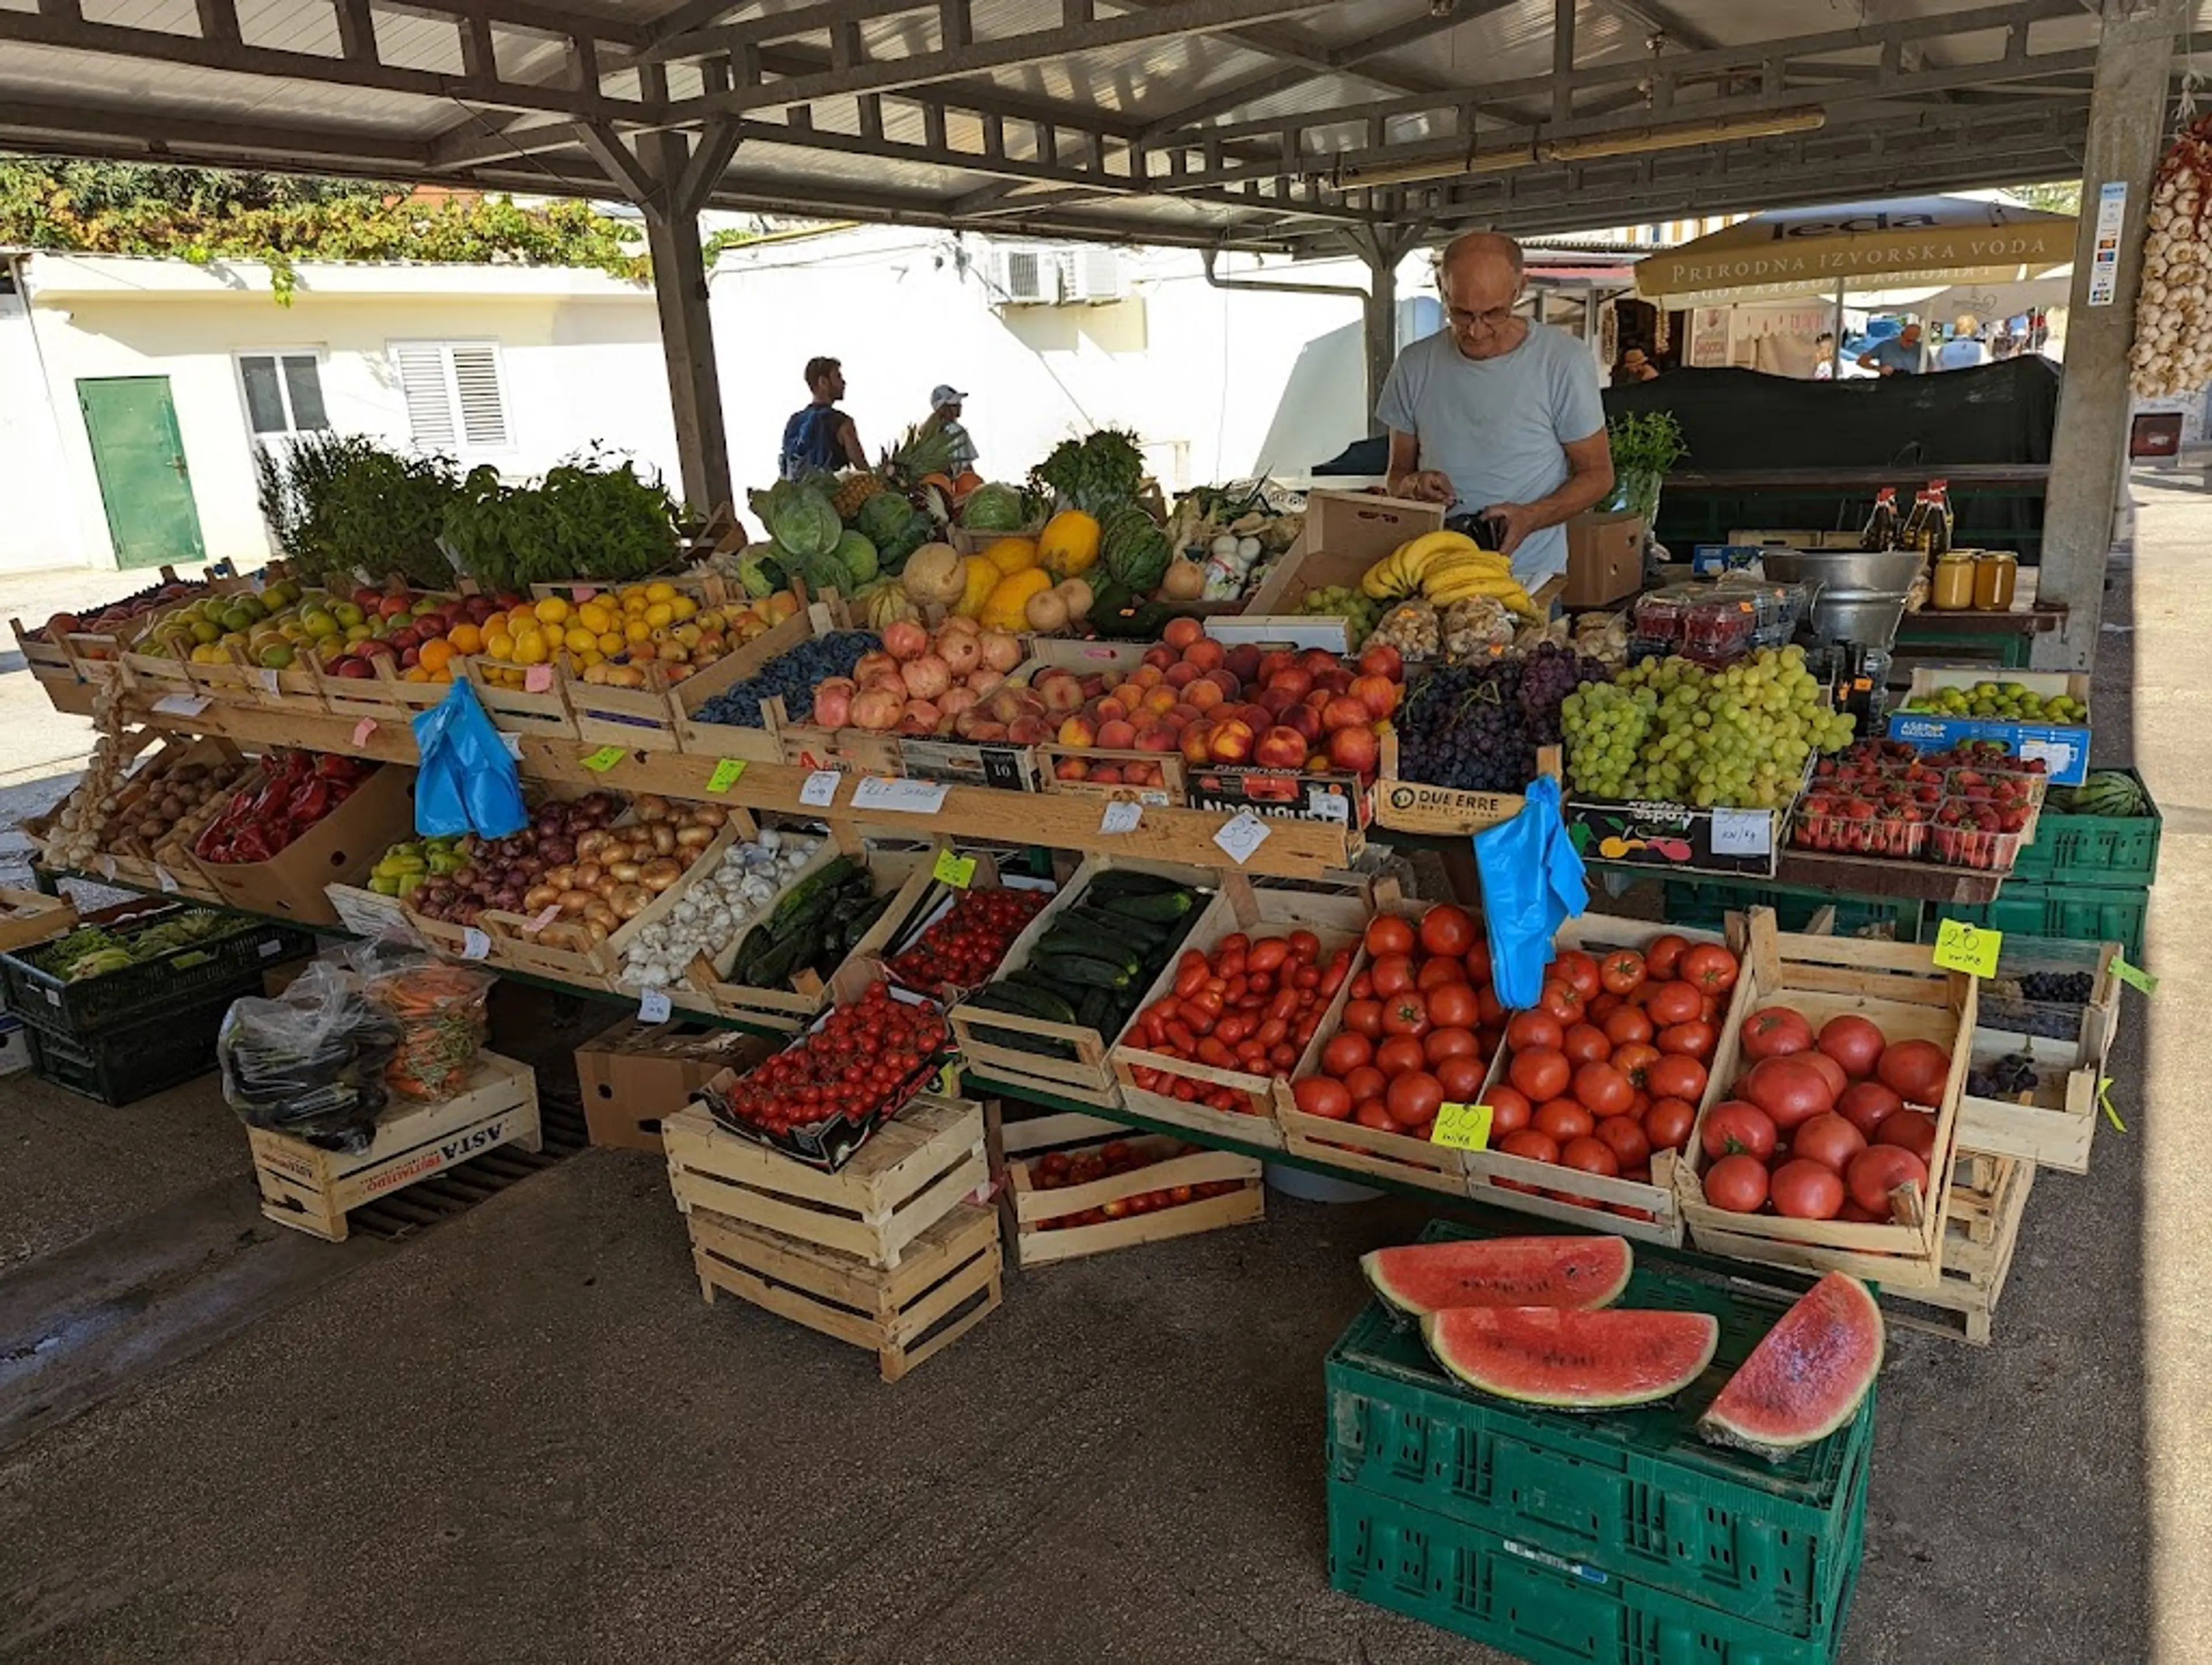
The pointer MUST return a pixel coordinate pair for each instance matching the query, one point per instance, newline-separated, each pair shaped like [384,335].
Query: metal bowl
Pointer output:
[1858,595]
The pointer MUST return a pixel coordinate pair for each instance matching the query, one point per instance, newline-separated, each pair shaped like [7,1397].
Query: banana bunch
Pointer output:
[1445,566]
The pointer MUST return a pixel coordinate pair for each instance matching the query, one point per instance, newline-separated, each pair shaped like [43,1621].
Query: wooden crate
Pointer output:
[238,681]
[1981,1233]
[1051,759]
[2053,1124]
[789,1009]
[1337,919]
[948,1282]
[1414,806]
[537,714]
[751,746]
[1037,1244]
[915,1171]
[26,916]
[640,719]
[312,1190]
[68,688]
[1896,985]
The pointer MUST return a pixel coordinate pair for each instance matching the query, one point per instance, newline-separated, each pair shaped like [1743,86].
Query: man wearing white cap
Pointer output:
[945,399]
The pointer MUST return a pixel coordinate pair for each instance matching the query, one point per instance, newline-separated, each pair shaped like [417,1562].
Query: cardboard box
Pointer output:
[339,849]
[1346,533]
[634,1073]
[1280,795]
[2063,747]
[1676,837]
[1604,558]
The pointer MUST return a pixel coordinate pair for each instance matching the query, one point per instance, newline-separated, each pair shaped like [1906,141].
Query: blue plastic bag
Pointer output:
[1532,884]
[469,782]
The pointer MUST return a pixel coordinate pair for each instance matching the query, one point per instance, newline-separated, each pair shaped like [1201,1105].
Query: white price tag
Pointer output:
[908,796]
[1742,832]
[181,705]
[513,743]
[107,866]
[2054,754]
[267,678]
[1244,833]
[164,878]
[652,1006]
[1121,818]
[1326,806]
[475,945]
[821,788]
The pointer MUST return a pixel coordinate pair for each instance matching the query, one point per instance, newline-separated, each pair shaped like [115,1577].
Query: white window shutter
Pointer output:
[477,391]
[421,366]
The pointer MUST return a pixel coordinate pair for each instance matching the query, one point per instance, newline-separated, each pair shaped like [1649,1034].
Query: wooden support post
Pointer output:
[686,346]
[2127,127]
[1380,317]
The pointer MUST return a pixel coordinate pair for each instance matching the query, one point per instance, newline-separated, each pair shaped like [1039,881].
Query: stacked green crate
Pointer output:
[1705,904]
[1614,1537]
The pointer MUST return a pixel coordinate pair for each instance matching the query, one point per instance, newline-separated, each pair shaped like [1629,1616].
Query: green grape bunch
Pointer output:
[1672,731]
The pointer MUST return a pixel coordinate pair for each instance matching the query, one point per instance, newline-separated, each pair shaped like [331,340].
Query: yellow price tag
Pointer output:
[948,1079]
[957,871]
[725,774]
[2104,1102]
[1970,948]
[604,758]
[2133,976]
[1462,1128]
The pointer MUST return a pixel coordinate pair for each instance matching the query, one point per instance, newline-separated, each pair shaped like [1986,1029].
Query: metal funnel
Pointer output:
[1858,595]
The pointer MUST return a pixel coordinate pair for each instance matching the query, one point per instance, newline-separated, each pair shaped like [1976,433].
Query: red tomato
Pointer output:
[1561,1001]
[1388,935]
[1585,1043]
[1788,1090]
[1439,1044]
[1477,959]
[1591,1156]
[1915,1071]
[1393,973]
[1321,1095]
[1533,1028]
[1453,1006]
[1363,987]
[1691,1039]
[1366,1082]
[1577,970]
[1363,1017]
[1562,1118]
[1528,1143]
[1672,1003]
[1675,1076]
[1446,929]
[1510,1109]
[1493,1013]
[1405,1014]
[1621,971]
[1710,967]
[1626,1139]
[1541,1073]
[1829,1141]
[1436,973]
[1734,1128]
[1831,1070]
[1662,955]
[1855,1042]
[1268,956]
[1625,1023]
[1775,1031]
[1737,1183]
[1398,1053]
[1909,1130]
[1602,1007]
[1374,1113]
[1867,1104]
[1634,1061]
[1345,1052]
[1414,1097]
[1806,1190]
[1666,1124]
[1876,1172]
[1305,947]
[1603,1090]
[1462,1078]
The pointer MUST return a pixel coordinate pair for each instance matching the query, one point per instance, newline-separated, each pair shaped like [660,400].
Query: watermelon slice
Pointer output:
[1501,1271]
[1806,1377]
[1574,1361]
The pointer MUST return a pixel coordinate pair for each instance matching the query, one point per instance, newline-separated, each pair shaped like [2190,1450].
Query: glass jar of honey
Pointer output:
[1996,576]
[1952,588]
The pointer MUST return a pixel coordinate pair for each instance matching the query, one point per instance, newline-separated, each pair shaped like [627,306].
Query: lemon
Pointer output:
[594,617]
[682,608]
[551,610]
[499,645]
[659,614]
[577,639]
[529,648]
[610,641]
[637,631]
[660,593]
[635,602]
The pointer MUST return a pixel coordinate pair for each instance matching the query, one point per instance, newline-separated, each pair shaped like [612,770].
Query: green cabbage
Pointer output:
[858,556]
[799,518]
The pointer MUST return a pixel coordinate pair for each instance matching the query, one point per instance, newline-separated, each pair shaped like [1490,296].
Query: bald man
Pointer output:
[1497,415]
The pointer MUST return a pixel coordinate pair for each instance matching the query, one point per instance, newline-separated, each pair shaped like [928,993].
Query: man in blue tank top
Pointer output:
[819,435]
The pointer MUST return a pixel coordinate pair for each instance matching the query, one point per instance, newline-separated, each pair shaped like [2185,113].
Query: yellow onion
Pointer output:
[623,873]
[658,876]
[628,901]
[650,806]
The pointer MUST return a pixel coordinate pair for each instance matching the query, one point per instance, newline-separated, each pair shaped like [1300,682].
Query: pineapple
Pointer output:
[922,451]
[854,488]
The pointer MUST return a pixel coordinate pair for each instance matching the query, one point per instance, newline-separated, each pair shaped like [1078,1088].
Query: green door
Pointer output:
[140,459]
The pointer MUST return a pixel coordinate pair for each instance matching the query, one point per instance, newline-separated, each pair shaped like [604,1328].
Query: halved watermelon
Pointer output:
[1806,1377]
[1574,1361]
[1501,1271]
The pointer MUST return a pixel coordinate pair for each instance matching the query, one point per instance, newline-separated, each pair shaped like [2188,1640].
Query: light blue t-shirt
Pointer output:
[1497,427]
[1962,352]
[1893,355]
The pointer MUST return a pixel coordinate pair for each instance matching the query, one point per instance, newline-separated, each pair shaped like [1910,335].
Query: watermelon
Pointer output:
[993,507]
[1500,1272]
[2109,792]
[1806,1377]
[1572,1361]
[1134,551]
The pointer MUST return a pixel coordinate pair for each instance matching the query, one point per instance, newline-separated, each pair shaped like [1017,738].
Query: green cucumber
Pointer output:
[1142,936]
[1044,1045]
[1024,1000]
[1069,936]
[1083,972]
[1165,908]
[1126,882]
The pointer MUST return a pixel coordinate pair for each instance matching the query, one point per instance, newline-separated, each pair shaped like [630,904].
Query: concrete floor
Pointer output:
[522,1437]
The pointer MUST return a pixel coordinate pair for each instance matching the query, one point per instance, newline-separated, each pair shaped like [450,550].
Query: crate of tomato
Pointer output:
[956,934]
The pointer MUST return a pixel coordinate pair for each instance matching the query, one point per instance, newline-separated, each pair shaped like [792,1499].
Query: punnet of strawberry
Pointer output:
[296,790]
[868,1058]
[963,947]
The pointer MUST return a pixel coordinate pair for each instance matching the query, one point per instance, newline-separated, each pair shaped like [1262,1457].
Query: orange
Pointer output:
[435,655]
[466,639]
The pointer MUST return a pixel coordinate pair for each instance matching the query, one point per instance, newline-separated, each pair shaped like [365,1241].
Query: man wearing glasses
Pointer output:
[1498,415]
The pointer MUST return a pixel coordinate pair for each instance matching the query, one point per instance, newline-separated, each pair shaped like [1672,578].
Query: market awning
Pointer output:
[1903,243]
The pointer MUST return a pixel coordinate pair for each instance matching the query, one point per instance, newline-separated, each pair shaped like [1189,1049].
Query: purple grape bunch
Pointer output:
[1475,727]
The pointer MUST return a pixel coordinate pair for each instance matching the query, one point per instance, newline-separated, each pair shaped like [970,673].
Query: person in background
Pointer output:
[1634,366]
[2004,344]
[1964,351]
[944,401]
[819,434]
[1495,415]
[1824,355]
[1903,355]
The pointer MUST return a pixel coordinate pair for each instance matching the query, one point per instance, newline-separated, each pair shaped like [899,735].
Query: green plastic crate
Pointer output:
[2093,849]
[1539,1606]
[1636,1493]
[2072,912]
[1706,905]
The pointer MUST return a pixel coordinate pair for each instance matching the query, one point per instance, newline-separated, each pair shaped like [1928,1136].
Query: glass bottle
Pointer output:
[1879,531]
[1913,535]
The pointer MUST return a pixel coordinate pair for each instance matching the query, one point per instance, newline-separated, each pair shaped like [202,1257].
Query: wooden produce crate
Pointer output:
[1897,985]
[130,859]
[639,719]
[238,681]
[68,688]
[26,916]
[1414,806]
[793,1006]
[1981,1232]
[739,744]
[915,1171]
[2051,1124]
[1169,794]
[1088,1077]
[312,1190]
[1040,1241]
[950,1280]
[540,713]
[1338,921]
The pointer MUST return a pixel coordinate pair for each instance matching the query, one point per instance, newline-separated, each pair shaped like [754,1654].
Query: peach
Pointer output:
[1206,654]
[1274,659]
[1093,687]
[1378,693]
[1203,695]
[1244,664]
[1354,749]
[1157,737]
[1158,700]
[1343,711]
[1159,659]
[1196,743]
[1182,632]
[1108,775]
[1077,732]
[1305,720]
[1227,682]
[1061,692]
[1275,699]
[1117,735]
[1280,748]
[1147,676]
[1230,741]
[1293,680]
[1028,732]
[1071,768]
[1182,712]
[1184,673]
[987,730]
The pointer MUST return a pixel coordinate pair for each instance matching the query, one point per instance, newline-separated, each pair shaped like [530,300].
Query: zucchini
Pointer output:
[1025,1000]
[1126,882]
[1095,1010]
[1044,1046]
[1072,937]
[1083,972]
[1163,909]
[1143,936]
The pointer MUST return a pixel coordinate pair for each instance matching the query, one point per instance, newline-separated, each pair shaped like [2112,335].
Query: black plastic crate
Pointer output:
[122,1065]
[226,965]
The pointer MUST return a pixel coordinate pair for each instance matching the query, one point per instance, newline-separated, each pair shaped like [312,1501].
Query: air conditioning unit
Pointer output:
[1094,274]
[1026,276]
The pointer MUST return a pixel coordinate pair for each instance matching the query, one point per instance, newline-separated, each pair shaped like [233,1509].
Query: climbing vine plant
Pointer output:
[204,215]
